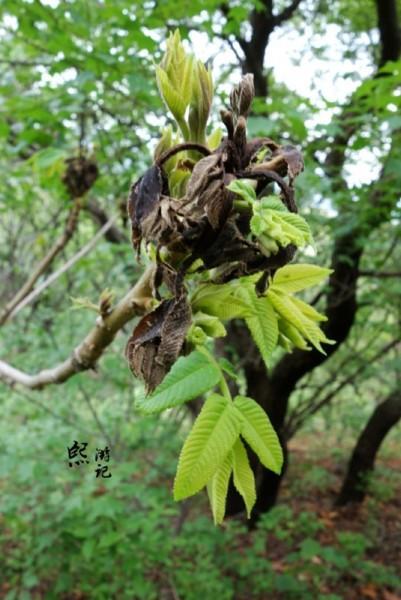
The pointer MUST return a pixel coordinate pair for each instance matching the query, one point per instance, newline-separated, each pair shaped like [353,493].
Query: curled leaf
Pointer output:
[157,340]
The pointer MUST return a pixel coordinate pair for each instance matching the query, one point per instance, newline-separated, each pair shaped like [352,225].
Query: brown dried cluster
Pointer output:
[80,175]
[204,224]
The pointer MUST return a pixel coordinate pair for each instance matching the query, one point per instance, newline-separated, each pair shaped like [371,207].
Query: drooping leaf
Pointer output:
[210,324]
[189,377]
[259,433]
[293,278]
[157,340]
[263,322]
[292,334]
[217,489]
[219,301]
[244,480]
[143,201]
[308,310]
[210,440]
[284,305]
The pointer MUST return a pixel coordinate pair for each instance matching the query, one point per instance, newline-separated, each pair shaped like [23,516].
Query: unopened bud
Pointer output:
[242,95]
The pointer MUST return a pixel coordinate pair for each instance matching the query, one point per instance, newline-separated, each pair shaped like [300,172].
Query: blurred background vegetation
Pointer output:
[77,77]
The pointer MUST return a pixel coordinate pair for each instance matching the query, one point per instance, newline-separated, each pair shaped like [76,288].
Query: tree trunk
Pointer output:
[386,415]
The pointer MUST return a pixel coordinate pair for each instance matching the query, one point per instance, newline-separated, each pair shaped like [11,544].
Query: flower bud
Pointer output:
[242,95]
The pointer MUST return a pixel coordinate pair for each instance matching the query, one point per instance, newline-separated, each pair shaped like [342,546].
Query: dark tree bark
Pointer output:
[263,21]
[390,31]
[386,415]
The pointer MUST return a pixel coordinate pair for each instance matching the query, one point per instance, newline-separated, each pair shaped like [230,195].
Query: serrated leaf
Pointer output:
[285,306]
[263,322]
[219,301]
[217,489]
[293,278]
[210,440]
[292,334]
[259,433]
[174,102]
[244,479]
[210,324]
[297,222]
[243,188]
[308,310]
[273,203]
[189,377]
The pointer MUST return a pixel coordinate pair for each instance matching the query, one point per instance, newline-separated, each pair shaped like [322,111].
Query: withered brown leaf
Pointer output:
[143,201]
[157,340]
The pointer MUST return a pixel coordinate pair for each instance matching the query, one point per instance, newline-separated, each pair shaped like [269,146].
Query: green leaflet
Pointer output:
[292,334]
[272,203]
[274,226]
[288,309]
[206,447]
[211,325]
[263,322]
[284,342]
[297,222]
[308,310]
[243,188]
[228,368]
[217,489]
[219,301]
[259,433]
[176,103]
[293,278]
[214,139]
[190,376]
[244,480]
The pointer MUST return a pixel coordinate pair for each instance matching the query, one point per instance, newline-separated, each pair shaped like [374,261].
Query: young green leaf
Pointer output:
[293,278]
[217,489]
[308,310]
[273,203]
[285,306]
[190,376]
[292,334]
[243,188]
[210,440]
[263,322]
[259,433]
[219,301]
[244,480]
[211,325]
[228,368]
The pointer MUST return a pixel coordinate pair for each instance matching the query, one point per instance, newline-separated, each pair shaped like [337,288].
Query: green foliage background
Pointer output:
[82,73]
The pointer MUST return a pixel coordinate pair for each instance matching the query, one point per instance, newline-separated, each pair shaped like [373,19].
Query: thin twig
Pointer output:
[65,267]
[69,230]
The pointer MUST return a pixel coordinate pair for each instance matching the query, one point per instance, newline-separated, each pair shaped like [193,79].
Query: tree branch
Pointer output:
[65,267]
[86,354]
[379,274]
[310,410]
[113,234]
[286,13]
[44,264]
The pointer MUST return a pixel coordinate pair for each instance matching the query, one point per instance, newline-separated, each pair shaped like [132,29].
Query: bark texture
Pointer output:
[383,419]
